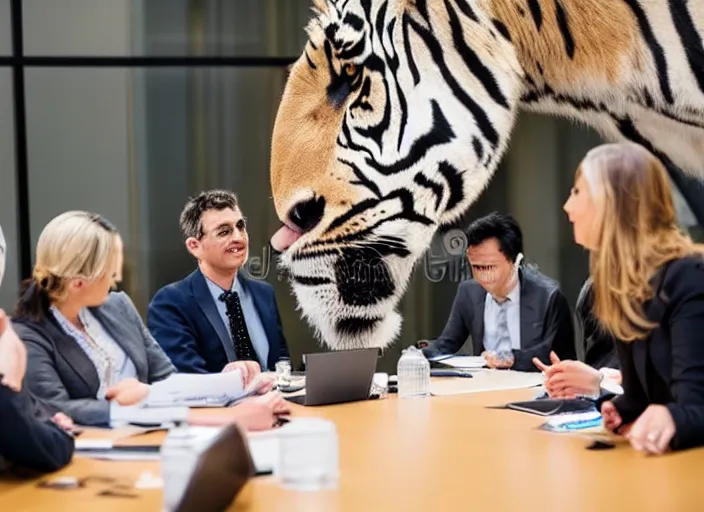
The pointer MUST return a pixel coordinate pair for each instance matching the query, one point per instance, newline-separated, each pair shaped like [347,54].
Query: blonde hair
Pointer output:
[637,233]
[74,244]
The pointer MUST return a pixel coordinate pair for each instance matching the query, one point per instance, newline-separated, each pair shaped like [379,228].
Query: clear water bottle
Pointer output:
[413,371]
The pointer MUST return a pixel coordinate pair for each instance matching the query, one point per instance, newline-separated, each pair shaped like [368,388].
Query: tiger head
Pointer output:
[390,125]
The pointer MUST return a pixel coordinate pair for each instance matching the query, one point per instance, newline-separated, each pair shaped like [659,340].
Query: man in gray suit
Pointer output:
[512,312]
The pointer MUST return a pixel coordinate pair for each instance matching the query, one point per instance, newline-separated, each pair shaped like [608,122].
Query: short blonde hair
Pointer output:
[637,233]
[74,244]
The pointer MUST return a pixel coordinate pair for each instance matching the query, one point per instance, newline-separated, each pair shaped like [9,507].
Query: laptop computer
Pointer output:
[337,377]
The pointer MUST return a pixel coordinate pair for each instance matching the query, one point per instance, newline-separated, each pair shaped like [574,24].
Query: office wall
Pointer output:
[76,27]
[8,205]
[8,219]
[78,119]
[5,28]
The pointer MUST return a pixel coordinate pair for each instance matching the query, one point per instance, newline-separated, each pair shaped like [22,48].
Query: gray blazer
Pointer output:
[546,321]
[60,372]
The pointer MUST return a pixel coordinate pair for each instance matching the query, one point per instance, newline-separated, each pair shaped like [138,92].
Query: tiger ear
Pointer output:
[321,6]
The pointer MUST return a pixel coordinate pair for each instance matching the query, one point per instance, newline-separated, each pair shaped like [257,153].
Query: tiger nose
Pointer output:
[305,215]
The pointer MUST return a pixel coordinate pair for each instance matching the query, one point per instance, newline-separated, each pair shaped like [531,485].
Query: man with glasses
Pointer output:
[513,313]
[216,318]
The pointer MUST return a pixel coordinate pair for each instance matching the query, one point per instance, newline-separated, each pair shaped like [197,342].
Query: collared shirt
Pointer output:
[110,361]
[255,328]
[513,318]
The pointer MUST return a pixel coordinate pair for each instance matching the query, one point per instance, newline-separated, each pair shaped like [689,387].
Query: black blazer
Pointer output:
[546,321]
[60,373]
[184,319]
[28,437]
[667,367]
[595,345]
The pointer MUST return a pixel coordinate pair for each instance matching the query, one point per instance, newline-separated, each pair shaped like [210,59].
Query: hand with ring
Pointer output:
[653,430]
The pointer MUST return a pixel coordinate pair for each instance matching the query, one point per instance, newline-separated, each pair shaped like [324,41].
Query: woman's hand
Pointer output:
[253,414]
[263,383]
[569,379]
[13,355]
[249,370]
[261,412]
[653,430]
[63,421]
[128,392]
[612,419]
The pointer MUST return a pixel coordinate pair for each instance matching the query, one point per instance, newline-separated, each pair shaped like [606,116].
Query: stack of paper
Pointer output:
[486,380]
[460,361]
[197,390]
[263,446]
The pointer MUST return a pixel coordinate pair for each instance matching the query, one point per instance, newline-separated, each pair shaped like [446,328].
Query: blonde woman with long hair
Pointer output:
[648,286]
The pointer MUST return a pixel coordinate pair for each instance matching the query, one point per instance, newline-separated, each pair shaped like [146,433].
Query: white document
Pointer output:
[120,455]
[148,417]
[93,444]
[486,380]
[263,446]
[196,390]
[461,361]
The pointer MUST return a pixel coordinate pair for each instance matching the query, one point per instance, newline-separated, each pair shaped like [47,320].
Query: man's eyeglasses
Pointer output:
[225,231]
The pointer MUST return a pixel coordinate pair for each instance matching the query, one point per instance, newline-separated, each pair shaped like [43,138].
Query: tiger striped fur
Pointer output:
[397,113]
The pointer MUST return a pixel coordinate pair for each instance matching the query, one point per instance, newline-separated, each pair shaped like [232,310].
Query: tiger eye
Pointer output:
[350,69]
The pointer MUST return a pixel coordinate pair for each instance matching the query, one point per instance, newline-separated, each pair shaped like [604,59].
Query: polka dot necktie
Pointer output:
[244,351]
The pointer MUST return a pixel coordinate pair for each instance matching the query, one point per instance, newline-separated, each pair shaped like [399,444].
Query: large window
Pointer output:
[8,193]
[128,107]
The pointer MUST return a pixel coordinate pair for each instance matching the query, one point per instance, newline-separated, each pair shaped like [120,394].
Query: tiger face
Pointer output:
[381,136]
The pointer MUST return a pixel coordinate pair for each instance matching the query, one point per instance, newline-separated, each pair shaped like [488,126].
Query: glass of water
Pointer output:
[308,455]
[283,372]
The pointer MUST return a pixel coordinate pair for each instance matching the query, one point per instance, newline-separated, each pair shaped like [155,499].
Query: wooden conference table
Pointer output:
[439,453]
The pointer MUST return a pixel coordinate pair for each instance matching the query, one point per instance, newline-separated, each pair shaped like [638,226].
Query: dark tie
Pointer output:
[503,338]
[238,327]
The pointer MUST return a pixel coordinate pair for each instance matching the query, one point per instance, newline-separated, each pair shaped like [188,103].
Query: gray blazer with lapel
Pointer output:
[60,373]
[546,321]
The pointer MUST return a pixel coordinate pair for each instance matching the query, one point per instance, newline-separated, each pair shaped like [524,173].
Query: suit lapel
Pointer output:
[70,351]
[479,299]
[655,312]
[113,326]
[530,321]
[640,356]
[202,296]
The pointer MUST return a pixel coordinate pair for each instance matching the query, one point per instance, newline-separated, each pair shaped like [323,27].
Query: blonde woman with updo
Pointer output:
[648,294]
[86,344]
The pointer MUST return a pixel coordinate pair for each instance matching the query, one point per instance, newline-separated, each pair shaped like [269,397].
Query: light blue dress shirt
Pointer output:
[254,324]
[513,318]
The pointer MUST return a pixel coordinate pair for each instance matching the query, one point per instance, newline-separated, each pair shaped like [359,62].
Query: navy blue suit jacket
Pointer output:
[185,322]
